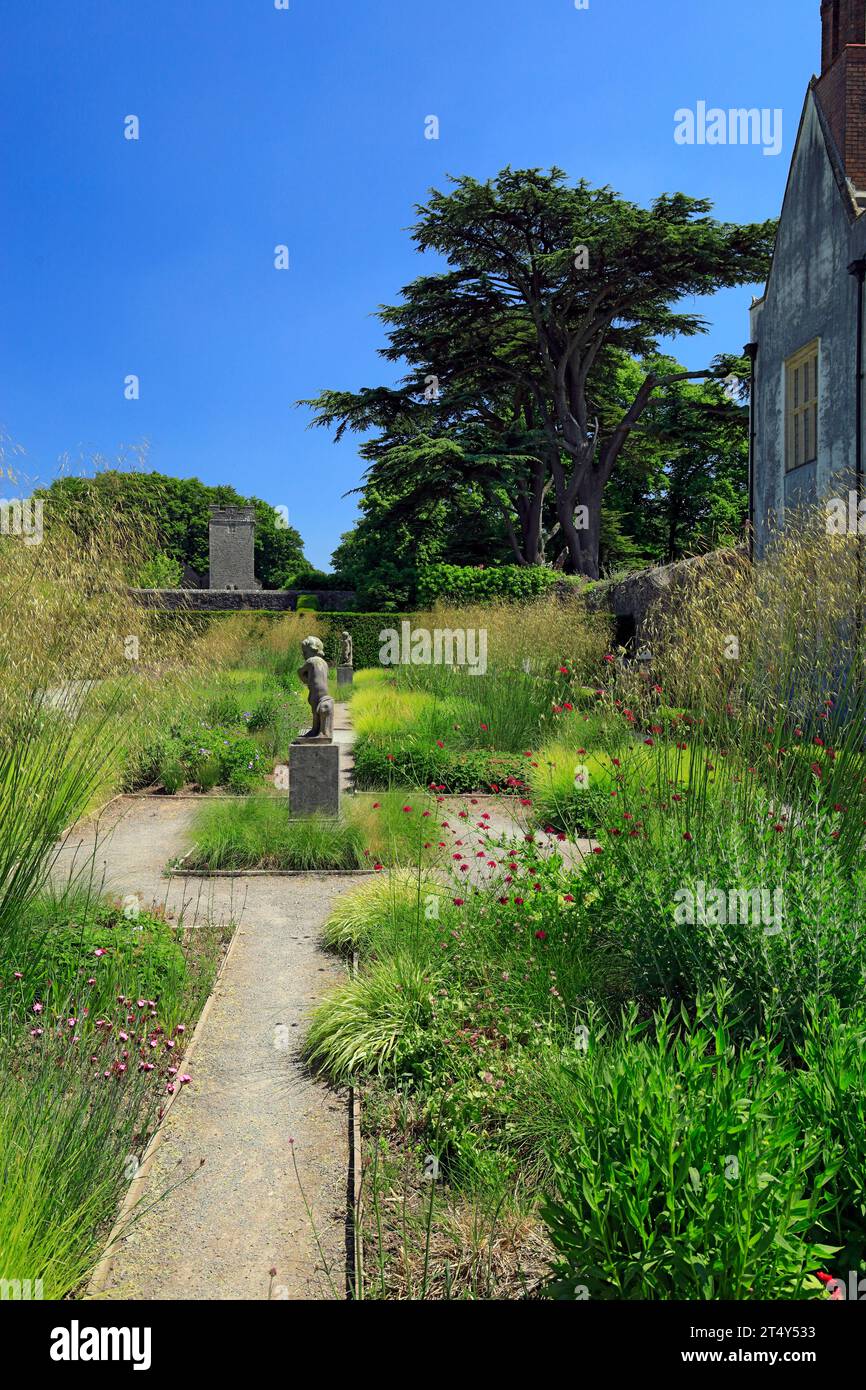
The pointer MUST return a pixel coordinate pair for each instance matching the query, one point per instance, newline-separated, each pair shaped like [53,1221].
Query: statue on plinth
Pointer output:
[346,649]
[314,674]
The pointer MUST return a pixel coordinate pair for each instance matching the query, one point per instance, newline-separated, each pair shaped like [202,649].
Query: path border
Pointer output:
[96,1282]
[355,1270]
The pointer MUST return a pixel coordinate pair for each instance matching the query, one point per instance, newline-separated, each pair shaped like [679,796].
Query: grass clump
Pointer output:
[257,833]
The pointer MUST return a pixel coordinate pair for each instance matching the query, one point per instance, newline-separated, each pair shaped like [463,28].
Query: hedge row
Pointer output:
[364,629]
[472,770]
[459,584]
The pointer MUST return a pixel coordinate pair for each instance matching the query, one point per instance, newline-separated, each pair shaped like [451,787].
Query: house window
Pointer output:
[801,407]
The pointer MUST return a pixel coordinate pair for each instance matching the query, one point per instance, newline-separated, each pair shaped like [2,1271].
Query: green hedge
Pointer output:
[364,628]
[460,584]
[472,770]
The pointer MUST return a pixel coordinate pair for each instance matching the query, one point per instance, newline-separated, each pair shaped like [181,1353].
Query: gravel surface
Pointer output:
[242,1212]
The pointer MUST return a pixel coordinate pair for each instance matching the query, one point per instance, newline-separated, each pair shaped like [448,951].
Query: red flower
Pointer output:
[541,936]
[687,835]
[459,902]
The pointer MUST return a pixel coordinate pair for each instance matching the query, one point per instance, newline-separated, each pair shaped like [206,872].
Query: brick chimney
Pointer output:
[841,88]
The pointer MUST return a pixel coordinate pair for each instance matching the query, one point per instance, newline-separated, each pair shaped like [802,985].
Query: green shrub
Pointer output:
[683,1172]
[161,572]
[364,628]
[572,789]
[372,1022]
[224,710]
[391,902]
[265,714]
[172,774]
[830,1098]
[454,772]
[206,773]
[459,584]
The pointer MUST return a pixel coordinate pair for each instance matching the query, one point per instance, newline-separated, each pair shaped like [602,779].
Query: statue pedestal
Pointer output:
[345,675]
[314,778]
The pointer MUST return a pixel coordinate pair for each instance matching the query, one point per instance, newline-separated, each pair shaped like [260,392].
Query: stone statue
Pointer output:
[314,674]
[346,649]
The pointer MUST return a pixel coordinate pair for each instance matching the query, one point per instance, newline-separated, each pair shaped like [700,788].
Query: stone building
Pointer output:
[807,328]
[232,549]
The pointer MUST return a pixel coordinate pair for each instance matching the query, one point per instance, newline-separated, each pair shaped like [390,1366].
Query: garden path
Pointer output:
[242,1211]
[219,1203]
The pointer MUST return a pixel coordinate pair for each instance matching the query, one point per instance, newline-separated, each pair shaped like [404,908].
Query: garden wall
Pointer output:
[630,599]
[234,600]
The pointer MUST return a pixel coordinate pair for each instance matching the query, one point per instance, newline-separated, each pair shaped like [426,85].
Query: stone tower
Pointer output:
[232,554]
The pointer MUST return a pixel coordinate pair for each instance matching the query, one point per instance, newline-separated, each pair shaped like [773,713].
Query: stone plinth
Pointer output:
[344,675]
[314,778]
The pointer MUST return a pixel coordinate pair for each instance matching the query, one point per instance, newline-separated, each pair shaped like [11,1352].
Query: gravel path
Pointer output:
[242,1211]
[220,1202]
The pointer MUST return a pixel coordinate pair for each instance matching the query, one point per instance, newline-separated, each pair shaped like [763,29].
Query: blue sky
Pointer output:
[306,128]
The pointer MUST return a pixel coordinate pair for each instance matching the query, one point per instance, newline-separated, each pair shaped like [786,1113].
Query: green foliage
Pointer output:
[417,764]
[364,628]
[160,572]
[258,834]
[458,584]
[173,513]
[390,903]
[373,1021]
[228,735]
[676,1144]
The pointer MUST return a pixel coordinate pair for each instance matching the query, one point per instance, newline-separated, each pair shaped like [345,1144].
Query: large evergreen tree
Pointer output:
[513,352]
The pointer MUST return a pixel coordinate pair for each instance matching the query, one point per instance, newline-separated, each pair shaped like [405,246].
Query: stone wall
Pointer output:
[629,600]
[231,600]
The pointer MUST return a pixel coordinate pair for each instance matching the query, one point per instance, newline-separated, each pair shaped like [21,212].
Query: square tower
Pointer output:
[232,548]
